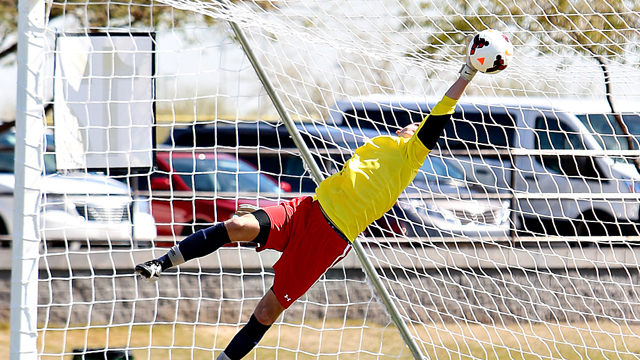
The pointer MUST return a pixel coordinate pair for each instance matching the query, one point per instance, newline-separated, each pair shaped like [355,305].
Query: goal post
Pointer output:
[28,167]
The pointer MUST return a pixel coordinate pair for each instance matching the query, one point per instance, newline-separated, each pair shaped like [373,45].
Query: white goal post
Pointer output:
[517,239]
[28,152]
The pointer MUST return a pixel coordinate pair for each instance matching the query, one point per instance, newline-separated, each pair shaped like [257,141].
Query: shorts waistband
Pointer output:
[333,226]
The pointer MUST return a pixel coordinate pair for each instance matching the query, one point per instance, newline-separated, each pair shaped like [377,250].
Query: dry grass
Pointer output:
[183,341]
[601,340]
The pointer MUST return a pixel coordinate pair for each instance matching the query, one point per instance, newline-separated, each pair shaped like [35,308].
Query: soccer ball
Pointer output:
[490,51]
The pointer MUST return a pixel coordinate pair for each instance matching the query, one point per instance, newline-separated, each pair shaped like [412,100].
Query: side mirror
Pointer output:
[160,183]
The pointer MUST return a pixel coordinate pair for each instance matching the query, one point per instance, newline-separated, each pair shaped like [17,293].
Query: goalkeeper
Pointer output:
[314,233]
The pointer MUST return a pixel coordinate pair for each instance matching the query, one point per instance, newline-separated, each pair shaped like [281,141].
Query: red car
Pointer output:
[194,189]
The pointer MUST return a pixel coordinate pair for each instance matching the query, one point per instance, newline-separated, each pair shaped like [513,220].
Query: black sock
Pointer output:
[246,339]
[199,244]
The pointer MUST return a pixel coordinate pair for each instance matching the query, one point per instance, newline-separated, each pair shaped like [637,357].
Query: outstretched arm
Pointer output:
[457,89]
[441,113]
[430,129]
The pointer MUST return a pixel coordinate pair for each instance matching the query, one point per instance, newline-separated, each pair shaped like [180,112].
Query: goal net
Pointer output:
[517,239]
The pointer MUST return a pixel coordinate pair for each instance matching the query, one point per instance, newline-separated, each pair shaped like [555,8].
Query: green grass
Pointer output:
[598,340]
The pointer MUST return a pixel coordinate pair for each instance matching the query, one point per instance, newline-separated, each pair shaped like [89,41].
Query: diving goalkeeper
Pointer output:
[314,233]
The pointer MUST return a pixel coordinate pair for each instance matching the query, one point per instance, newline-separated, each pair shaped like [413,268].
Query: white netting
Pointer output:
[516,240]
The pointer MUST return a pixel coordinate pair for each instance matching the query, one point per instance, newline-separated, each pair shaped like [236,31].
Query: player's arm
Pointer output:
[431,127]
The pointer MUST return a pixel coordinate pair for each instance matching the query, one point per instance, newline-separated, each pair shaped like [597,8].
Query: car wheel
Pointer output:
[594,224]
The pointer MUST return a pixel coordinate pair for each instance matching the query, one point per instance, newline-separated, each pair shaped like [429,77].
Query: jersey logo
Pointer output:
[286,297]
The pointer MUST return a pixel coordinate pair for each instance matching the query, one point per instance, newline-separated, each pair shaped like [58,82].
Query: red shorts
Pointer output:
[309,246]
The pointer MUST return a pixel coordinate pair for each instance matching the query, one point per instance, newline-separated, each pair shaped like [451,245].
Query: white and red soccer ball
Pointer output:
[490,51]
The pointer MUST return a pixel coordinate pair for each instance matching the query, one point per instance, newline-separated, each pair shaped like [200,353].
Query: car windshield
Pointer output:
[223,175]
[436,169]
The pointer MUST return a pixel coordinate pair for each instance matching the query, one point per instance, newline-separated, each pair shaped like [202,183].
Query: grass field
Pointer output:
[602,340]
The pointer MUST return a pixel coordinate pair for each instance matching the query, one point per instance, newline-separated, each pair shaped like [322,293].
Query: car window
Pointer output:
[197,174]
[606,131]
[211,174]
[553,134]
[471,129]
[8,139]
[478,130]
[6,161]
[7,164]
[633,123]
[241,176]
[7,153]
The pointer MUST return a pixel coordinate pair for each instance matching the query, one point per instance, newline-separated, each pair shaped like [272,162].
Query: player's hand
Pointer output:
[244,209]
[468,71]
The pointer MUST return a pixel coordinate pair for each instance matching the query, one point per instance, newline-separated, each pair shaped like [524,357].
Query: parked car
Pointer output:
[270,148]
[486,136]
[440,204]
[192,189]
[77,209]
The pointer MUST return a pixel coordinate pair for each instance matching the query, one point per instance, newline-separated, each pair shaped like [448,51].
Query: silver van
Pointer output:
[541,156]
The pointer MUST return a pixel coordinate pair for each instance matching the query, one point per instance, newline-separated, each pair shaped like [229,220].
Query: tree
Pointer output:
[95,16]
[100,15]
[605,30]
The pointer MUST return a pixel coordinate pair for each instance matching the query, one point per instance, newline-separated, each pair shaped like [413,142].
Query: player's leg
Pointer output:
[265,314]
[309,247]
[202,243]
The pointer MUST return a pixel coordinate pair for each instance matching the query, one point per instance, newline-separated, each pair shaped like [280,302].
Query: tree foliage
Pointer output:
[96,15]
[607,28]
[100,15]
[8,17]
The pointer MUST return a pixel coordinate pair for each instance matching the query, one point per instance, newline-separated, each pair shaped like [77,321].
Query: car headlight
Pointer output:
[431,211]
[55,202]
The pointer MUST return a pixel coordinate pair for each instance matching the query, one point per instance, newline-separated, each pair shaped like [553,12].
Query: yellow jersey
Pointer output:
[371,181]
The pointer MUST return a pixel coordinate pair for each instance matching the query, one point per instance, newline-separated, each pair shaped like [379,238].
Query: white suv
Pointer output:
[85,209]
[78,209]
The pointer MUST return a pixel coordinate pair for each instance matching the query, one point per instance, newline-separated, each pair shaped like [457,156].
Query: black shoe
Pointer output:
[149,270]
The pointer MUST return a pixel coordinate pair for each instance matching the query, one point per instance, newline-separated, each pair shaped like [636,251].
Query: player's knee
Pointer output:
[244,228]
[233,225]
[265,315]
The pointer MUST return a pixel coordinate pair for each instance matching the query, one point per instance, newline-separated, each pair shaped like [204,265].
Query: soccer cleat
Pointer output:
[149,270]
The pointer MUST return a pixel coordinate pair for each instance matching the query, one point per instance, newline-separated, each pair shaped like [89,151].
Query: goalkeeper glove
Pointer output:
[467,71]
[244,209]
